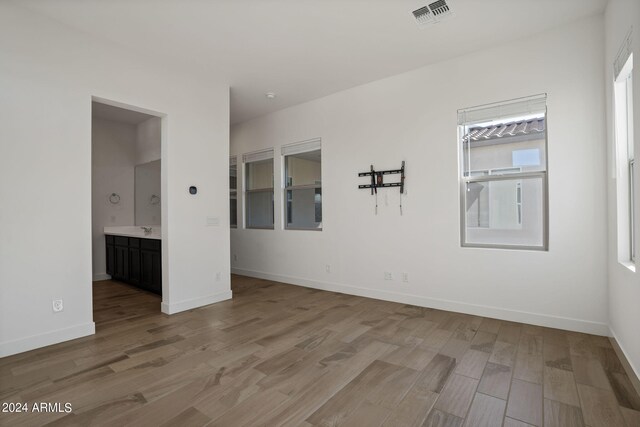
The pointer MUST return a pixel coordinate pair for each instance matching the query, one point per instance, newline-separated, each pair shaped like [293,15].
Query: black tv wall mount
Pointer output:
[377,181]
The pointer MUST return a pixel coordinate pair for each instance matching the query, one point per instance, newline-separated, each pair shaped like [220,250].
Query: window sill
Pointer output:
[259,190]
[259,228]
[303,229]
[505,247]
[628,264]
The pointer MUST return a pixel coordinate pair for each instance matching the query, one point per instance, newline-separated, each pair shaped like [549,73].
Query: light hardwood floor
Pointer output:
[285,355]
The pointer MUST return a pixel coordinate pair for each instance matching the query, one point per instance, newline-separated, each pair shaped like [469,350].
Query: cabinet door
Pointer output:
[156,273]
[151,271]
[111,254]
[134,266]
[121,268]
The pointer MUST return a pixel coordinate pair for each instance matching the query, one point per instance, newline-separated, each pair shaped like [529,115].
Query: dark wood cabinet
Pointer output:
[121,270]
[134,266]
[111,256]
[136,261]
[151,271]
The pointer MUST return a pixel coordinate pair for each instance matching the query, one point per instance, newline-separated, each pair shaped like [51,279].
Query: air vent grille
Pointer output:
[422,15]
[439,7]
[433,13]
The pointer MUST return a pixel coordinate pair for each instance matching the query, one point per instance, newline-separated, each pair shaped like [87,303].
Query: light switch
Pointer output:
[213,221]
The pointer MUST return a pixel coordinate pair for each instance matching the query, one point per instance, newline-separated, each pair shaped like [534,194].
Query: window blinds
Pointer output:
[515,107]
[302,147]
[233,160]
[257,156]
[623,54]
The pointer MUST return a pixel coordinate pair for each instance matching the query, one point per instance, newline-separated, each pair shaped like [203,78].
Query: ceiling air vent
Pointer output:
[433,13]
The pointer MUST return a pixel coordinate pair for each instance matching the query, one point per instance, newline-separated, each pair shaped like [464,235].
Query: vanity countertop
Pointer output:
[135,231]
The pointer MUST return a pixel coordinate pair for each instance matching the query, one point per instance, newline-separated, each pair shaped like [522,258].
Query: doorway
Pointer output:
[127,210]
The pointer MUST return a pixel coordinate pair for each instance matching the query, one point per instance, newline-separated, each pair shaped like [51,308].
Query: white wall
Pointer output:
[49,74]
[624,285]
[412,117]
[113,155]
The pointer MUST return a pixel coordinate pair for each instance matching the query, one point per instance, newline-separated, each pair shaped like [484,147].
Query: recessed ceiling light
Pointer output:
[270,95]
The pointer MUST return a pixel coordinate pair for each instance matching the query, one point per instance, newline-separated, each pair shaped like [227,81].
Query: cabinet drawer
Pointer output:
[150,244]
[109,239]
[134,242]
[121,240]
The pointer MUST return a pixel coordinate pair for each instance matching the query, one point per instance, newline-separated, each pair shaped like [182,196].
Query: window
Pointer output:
[259,189]
[303,185]
[233,191]
[503,174]
[625,160]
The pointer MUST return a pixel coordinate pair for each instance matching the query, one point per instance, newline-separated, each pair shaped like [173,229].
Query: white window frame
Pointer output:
[289,150]
[496,112]
[625,165]
[247,159]
[233,192]
[494,172]
[632,211]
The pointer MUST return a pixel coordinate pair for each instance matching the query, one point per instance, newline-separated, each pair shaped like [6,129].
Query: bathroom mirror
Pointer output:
[147,193]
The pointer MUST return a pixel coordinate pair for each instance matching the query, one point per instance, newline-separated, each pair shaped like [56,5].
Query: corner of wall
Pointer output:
[632,372]
[177,307]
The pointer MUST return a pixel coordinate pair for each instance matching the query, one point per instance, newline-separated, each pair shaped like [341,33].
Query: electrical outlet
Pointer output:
[405,277]
[58,305]
[327,268]
[235,257]
[388,275]
[218,276]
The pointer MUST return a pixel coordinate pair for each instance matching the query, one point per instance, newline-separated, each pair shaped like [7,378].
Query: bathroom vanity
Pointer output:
[134,257]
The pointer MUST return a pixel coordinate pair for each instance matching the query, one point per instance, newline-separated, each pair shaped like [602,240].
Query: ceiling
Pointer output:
[305,49]
[117,114]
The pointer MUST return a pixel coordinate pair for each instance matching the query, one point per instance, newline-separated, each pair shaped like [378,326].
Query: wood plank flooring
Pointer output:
[285,355]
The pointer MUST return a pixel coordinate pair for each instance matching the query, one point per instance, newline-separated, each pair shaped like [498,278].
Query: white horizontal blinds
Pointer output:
[257,156]
[233,160]
[623,54]
[301,147]
[491,112]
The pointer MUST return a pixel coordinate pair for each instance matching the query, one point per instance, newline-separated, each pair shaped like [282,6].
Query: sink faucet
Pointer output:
[147,230]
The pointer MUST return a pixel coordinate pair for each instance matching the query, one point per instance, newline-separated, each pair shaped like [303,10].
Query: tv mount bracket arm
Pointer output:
[377,181]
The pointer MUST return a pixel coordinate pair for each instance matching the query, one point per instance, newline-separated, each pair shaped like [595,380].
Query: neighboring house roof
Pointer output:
[506,132]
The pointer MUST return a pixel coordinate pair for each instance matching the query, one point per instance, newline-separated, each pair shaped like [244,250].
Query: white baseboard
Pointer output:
[559,322]
[101,276]
[48,338]
[177,307]
[632,371]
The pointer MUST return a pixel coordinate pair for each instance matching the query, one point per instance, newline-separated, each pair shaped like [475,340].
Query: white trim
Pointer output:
[634,370]
[257,156]
[32,342]
[624,52]
[172,308]
[301,147]
[101,276]
[519,107]
[559,322]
